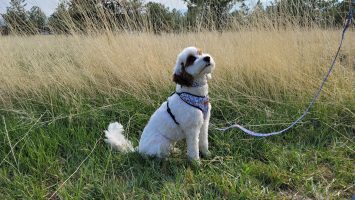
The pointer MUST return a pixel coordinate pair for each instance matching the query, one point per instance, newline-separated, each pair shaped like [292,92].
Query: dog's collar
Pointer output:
[200,83]
[197,84]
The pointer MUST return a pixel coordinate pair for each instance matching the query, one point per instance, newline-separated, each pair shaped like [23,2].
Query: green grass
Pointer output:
[314,160]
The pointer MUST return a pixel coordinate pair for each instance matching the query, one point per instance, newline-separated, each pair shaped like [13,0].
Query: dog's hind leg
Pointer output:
[155,145]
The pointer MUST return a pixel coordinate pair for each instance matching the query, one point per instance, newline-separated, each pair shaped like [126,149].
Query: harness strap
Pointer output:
[170,113]
[202,109]
[198,102]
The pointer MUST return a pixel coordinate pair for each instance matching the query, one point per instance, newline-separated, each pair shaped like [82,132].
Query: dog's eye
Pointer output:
[190,60]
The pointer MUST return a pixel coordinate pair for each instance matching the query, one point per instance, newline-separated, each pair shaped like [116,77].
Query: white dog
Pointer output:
[185,115]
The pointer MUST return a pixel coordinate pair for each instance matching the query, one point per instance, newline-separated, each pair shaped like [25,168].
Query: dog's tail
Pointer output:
[115,138]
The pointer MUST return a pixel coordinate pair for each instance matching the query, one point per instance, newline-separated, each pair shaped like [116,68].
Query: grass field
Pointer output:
[58,94]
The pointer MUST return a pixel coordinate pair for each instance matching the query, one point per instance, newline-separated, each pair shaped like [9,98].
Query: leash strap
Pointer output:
[252,133]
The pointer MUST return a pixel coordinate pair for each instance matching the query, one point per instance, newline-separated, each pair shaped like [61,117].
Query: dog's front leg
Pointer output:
[192,143]
[203,136]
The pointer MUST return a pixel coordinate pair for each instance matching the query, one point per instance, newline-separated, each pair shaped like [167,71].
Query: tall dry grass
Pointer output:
[58,92]
[265,64]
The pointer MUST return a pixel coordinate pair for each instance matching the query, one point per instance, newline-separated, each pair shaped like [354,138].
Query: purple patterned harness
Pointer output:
[199,102]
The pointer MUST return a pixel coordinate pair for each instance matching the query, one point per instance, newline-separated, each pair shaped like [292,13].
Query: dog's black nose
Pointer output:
[207,59]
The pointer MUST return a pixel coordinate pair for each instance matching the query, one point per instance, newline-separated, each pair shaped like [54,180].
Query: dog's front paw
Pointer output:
[205,154]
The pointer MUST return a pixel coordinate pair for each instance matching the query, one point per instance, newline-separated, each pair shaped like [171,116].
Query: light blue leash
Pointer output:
[347,25]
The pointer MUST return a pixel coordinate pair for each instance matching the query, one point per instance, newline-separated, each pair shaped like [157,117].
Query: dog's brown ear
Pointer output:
[183,79]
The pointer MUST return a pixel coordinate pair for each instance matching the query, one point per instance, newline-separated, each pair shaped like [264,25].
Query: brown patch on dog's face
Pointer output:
[184,79]
[199,52]
[190,60]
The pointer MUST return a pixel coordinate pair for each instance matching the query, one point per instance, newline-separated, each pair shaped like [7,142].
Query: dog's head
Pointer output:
[192,64]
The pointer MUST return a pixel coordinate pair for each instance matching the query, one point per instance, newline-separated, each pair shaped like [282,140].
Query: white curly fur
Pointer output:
[161,132]
[114,136]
